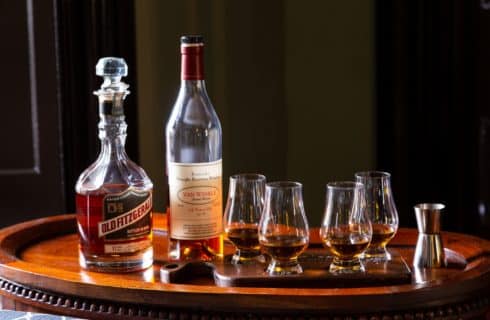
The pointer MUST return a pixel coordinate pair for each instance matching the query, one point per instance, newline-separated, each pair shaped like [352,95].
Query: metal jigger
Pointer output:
[429,252]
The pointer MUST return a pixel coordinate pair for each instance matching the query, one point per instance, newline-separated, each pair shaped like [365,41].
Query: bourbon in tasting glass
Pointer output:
[381,210]
[241,219]
[346,229]
[114,195]
[245,238]
[283,227]
[193,147]
[345,248]
[284,247]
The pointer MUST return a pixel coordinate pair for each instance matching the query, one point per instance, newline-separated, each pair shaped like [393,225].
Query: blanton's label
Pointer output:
[195,200]
[126,215]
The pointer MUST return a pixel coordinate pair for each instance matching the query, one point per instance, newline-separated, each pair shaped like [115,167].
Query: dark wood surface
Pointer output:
[315,263]
[39,271]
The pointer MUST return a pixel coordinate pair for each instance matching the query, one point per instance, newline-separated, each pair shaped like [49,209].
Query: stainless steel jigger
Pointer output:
[429,252]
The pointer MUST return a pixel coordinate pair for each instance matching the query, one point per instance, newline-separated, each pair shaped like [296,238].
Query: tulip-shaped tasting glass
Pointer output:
[242,216]
[345,229]
[283,228]
[381,211]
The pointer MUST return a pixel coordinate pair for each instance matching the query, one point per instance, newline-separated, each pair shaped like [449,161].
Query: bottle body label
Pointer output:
[115,223]
[127,217]
[195,200]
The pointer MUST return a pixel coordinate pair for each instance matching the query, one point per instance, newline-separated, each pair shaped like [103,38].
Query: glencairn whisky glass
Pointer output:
[346,229]
[381,211]
[283,228]
[242,216]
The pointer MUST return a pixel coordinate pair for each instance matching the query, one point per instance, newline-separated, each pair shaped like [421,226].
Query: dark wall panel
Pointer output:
[427,110]
[19,116]
[255,87]
[49,116]
[31,175]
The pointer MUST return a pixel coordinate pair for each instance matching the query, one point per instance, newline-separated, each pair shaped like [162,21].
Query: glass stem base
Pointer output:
[247,257]
[379,254]
[346,266]
[284,267]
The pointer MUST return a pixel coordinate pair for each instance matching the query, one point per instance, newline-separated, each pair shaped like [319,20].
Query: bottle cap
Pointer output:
[189,39]
[111,67]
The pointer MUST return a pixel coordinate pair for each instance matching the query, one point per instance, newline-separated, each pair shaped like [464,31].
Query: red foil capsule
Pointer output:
[192,61]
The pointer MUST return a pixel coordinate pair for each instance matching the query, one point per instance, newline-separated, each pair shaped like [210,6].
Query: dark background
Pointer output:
[430,99]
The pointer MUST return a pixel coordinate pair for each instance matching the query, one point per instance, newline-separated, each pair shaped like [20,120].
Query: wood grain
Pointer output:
[39,268]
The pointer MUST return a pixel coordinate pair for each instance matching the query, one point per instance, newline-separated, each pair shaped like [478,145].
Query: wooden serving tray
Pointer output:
[315,264]
[39,271]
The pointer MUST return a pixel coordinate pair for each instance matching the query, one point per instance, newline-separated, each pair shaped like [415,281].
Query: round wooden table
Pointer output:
[39,272]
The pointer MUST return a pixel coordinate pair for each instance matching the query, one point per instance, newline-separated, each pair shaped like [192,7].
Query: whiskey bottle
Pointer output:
[193,140]
[114,195]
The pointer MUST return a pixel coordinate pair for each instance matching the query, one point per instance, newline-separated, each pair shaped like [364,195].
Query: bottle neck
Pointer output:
[192,87]
[192,62]
[112,127]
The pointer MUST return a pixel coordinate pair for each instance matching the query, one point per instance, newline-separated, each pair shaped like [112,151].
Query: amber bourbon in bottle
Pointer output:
[193,143]
[114,195]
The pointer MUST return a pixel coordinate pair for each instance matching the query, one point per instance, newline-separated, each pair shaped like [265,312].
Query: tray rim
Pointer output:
[476,276]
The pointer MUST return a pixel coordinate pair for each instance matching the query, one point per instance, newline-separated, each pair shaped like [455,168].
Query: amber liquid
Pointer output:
[284,247]
[246,239]
[201,249]
[382,234]
[347,249]
[90,213]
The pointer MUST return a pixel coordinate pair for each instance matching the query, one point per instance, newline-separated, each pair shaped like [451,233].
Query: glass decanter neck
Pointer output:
[112,124]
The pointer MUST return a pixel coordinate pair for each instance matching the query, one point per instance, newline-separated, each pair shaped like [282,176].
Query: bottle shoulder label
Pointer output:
[195,200]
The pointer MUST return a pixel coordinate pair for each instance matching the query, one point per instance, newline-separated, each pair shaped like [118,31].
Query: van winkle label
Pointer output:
[195,200]
[126,215]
